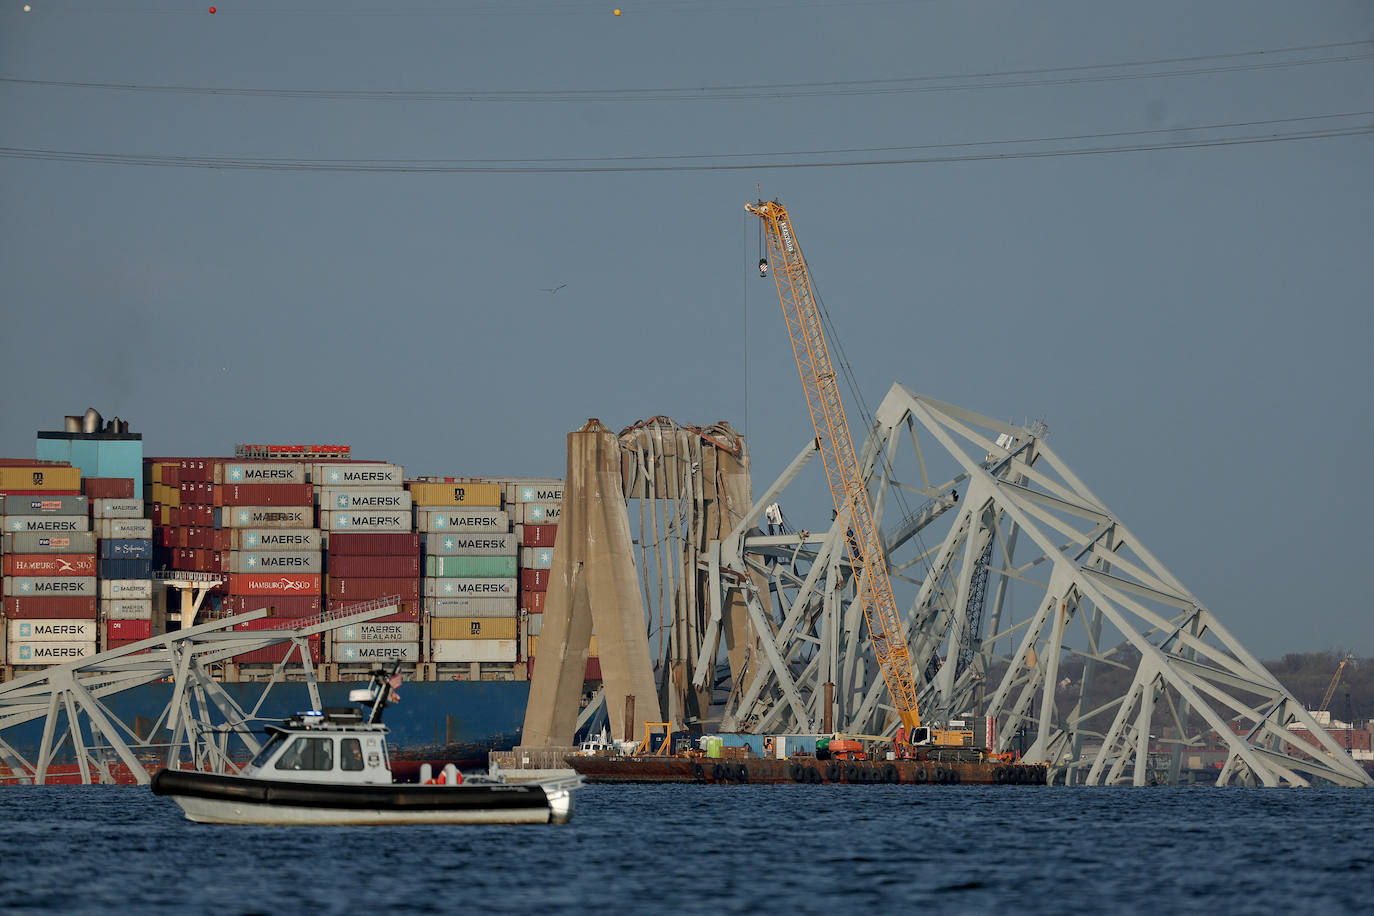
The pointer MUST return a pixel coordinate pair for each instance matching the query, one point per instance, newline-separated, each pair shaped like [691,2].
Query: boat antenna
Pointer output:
[383,684]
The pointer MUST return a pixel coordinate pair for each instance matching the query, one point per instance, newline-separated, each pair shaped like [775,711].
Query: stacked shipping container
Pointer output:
[365,512]
[470,573]
[124,542]
[48,556]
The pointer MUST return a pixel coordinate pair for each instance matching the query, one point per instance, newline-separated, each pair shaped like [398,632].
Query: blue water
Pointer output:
[716,849]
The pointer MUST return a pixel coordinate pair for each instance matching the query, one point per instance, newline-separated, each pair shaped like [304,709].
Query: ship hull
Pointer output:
[436,722]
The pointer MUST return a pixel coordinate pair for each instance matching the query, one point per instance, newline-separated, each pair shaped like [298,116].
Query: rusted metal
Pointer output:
[805,770]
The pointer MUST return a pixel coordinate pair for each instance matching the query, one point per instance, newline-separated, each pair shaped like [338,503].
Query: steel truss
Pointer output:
[1114,672]
[206,725]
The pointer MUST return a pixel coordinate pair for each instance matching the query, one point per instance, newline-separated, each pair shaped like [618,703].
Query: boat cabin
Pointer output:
[333,746]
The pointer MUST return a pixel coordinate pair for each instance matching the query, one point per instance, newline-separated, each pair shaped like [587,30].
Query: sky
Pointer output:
[397,187]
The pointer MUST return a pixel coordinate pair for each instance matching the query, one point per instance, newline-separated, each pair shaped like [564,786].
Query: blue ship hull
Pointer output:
[435,721]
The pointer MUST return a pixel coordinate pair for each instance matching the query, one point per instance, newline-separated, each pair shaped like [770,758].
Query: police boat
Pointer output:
[331,767]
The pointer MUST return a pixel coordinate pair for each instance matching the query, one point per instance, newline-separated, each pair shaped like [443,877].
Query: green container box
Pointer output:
[462,567]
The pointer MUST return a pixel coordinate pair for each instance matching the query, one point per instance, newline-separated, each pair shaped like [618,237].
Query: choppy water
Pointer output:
[716,849]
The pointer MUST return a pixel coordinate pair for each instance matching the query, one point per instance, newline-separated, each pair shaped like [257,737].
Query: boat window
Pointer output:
[350,754]
[267,751]
[308,754]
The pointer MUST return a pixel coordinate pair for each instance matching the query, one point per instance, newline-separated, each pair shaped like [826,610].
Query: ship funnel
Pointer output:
[90,423]
[71,424]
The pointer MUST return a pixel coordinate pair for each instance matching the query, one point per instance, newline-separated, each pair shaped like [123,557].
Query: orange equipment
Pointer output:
[841,464]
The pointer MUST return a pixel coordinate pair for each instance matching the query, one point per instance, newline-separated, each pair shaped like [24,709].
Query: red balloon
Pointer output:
[212,11]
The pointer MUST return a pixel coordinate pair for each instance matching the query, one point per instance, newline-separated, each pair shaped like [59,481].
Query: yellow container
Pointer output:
[455,494]
[534,641]
[40,477]
[472,627]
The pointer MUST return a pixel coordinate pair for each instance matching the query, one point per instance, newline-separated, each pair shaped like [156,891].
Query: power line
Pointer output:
[978,151]
[1034,77]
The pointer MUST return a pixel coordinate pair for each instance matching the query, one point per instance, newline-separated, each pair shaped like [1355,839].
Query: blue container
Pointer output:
[126,569]
[126,549]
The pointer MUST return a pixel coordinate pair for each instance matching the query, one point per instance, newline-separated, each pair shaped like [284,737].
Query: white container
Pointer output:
[49,653]
[259,472]
[117,508]
[472,544]
[51,504]
[266,517]
[389,499]
[459,519]
[539,491]
[473,650]
[471,607]
[51,524]
[259,540]
[364,652]
[276,561]
[126,609]
[536,557]
[365,520]
[477,587]
[356,474]
[124,528]
[78,542]
[378,632]
[49,586]
[126,589]
[46,630]
[538,513]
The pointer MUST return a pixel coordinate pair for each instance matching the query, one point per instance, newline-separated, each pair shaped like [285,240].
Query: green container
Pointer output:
[462,567]
[713,746]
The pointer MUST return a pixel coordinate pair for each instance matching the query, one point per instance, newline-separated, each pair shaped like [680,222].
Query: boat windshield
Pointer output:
[267,751]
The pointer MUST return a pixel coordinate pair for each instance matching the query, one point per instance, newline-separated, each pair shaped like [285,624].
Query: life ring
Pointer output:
[920,775]
[891,775]
[742,773]
[698,772]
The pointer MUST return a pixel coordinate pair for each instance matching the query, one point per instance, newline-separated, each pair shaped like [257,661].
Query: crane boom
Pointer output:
[1335,679]
[847,486]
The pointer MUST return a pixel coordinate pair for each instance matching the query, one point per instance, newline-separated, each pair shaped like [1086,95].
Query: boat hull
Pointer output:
[213,799]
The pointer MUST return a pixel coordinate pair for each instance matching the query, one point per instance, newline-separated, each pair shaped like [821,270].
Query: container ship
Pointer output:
[93,528]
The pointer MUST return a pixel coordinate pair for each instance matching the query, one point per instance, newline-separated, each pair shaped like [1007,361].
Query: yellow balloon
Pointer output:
[617,12]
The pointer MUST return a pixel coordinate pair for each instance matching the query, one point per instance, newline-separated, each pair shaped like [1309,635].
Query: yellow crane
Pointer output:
[847,487]
[1335,679]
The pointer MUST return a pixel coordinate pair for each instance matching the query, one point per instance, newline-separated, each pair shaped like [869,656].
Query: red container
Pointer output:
[273,654]
[127,630]
[409,612]
[264,494]
[281,605]
[221,539]
[532,602]
[375,567]
[62,608]
[539,535]
[49,564]
[369,544]
[275,584]
[593,672]
[171,475]
[534,580]
[356,589]
[121,643]
[204,516]
[108,487]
